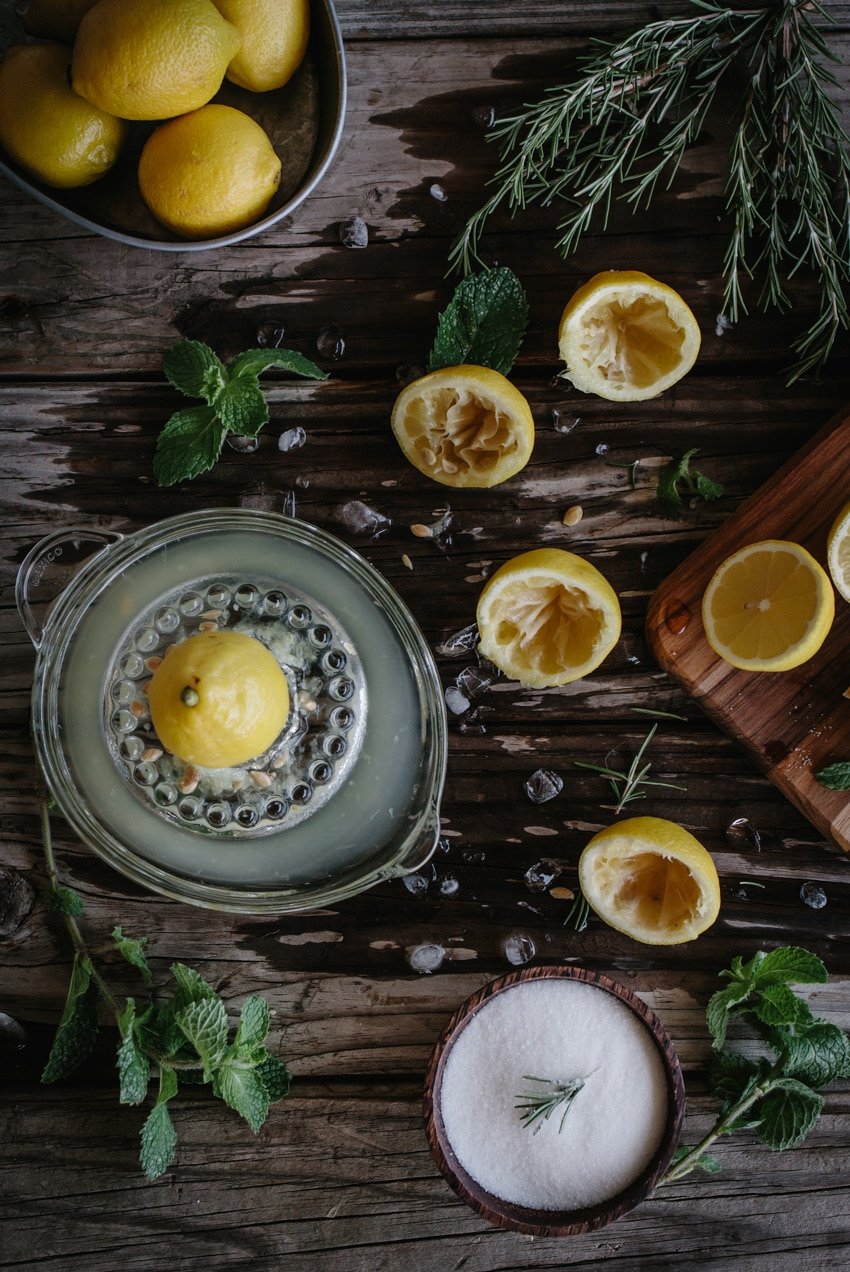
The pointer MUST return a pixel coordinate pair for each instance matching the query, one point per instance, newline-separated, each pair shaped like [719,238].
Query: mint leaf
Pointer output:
[77,1029]
[484,323]
[779,1005]
[191,986]
[707,489]
[134,1071]
[818,1055]
[696,484]
[254,361]
[158,1137]
[205,1025]
[244,1091]
[789,965]
[836,776]
[253,1022]
[189,444]
[274,1076]
[61,900]
[720,1007]
[242,408]
[194,369]
[133,951]
[730,1074]
[787,1113]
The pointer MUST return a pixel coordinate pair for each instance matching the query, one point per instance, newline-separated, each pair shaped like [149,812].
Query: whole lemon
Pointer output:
[218,698]
[46,127]
[209,172]
[274,40]
[152,59]
[58,19]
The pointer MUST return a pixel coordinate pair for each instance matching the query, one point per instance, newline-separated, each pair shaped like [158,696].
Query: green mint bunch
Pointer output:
[777,1094]
[678,478]
[483,324]
[184,1038]
[233,402]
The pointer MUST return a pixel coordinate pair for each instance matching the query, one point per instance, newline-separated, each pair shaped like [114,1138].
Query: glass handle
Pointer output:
[49,566]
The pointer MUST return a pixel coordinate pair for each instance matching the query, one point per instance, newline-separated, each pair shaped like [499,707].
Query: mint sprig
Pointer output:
[191,440]
[184,1038]
[483,324]
[695,485]
[776,1095]
[836,776]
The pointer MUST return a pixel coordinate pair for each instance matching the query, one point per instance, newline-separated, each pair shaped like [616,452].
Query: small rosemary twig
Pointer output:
[578,913]
[536,1107]
[628,786]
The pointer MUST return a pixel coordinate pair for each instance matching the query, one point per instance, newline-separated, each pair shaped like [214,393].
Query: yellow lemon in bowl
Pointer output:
[209,172]
[547,617]
[274,35]
[152,59]
[217,699]
[46,127]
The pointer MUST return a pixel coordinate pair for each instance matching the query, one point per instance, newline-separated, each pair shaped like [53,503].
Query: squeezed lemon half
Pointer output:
[464,426]
[218,699]
[547,617]
[768,607]
[651,879]
[625,336]
[838,552]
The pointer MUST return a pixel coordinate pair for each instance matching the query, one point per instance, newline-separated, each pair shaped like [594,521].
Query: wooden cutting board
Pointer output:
[794,722]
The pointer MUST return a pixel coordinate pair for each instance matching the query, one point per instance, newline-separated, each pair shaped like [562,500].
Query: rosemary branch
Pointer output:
[623,126]
[536,1107]
[628,786]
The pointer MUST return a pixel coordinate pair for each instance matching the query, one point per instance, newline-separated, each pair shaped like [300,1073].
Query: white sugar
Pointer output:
[557,1029]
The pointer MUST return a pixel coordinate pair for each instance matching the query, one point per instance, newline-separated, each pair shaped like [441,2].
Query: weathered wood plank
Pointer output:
[342,1175]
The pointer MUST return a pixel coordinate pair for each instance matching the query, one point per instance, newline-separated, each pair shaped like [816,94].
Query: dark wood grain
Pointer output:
[340,1177]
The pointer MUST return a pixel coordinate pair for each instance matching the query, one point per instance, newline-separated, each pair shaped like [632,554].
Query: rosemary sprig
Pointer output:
[628,786]
[536,1107]
[578,913]
[625,123]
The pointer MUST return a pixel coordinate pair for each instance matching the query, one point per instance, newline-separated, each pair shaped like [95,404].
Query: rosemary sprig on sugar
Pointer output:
[537,1106]
[629,786]
[626,122]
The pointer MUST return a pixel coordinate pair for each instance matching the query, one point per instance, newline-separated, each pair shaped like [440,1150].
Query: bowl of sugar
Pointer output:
[553,1101]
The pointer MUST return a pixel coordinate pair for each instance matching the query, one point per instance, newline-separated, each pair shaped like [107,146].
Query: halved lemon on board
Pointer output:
[838,552]
[625,336]
[464,426]
[218,698]
[547,617]
[768,607]
[651,879]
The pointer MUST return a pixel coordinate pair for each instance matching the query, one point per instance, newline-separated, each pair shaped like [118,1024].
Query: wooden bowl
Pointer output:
[551,1223]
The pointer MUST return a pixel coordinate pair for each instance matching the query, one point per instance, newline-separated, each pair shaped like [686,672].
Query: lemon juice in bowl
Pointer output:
[346,794]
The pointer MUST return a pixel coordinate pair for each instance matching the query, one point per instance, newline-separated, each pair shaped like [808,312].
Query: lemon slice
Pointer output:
[547,617]
[768,607]
[218,699]
[464,426]
[838,552]
[649,878]
[625,336]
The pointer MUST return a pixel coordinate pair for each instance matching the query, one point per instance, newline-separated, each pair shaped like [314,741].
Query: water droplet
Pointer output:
[13,1036]
[456,701]
[602,448]
[460,643]
[354,232]
[543,785]
[742,835]
[449,886]
[330,343]
[813,894]
[564,422]
[542,874]
[484,117]
[677,617]
[291,440]
[359,518]
[241,444]
[473,856]
[270,336]
[302,482]
[437,192]
[721,325]
[518,949]
[425,959]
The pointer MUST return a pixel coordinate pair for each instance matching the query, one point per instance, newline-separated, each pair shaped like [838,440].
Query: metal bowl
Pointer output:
[304,121]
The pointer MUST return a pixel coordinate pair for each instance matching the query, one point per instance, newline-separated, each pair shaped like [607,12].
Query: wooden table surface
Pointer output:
[340,1178]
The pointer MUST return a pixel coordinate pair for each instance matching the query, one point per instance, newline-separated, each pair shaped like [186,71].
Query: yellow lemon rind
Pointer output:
[839,536]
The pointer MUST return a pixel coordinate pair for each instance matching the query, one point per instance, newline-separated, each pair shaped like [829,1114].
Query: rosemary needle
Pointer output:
[628,786]
[537,1106]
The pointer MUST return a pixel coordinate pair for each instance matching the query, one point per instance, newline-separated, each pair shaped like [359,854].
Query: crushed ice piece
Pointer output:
[416,884]
[602,448]
[359,518]
[241,444]
[425,958]
[542,874]
[330,343]
[437,192]
[519,949]
[543,785]
[291,440]
[722,325]
[444,844]
[813,894]
[288,508]
[456,701]
[449,886]
[562,424]
[354,232]
[473,723]
[473,681]
[459,643]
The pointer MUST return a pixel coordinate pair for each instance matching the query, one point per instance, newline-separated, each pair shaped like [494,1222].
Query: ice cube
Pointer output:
[564,422]
[437,192]
[519,949]
[542,874]
[473,681]
[360,518]
[813,895]
[449,886]
[425,958]
[543,785]
[354,232]
[456,701]
[416,884]
[460,643]
[291,440]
